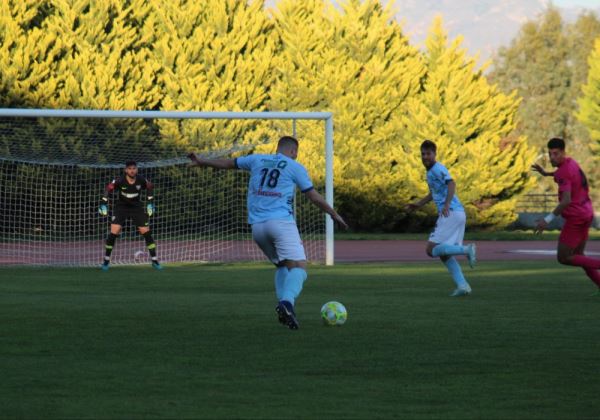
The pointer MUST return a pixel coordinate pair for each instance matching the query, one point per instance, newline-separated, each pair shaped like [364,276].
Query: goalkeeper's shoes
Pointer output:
[461,291]
[156,265]
[472,255]
[103,210]
[105,266]
[285,312]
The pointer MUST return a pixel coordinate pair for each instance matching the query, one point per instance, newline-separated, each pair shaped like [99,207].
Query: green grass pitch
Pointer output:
[203,342]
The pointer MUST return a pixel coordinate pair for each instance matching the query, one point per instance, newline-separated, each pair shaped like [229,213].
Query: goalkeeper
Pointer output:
[129,206]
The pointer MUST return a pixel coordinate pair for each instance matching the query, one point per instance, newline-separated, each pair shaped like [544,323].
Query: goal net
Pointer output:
[55,165]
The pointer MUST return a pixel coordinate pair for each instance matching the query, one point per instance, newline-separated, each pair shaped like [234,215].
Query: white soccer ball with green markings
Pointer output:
[334,313]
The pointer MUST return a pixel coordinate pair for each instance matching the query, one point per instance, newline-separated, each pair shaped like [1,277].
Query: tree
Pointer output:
[355,62]
[589,103]
[472,123]
[387,98]
[546,66]
[215,56]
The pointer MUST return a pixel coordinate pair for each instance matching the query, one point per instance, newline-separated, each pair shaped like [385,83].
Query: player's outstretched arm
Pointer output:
[419,204]
[537,168]
[320,202]
[213,163]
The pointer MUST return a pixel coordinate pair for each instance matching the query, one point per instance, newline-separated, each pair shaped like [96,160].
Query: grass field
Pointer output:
[203,342]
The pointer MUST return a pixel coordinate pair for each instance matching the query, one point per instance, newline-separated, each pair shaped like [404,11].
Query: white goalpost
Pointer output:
[55,164]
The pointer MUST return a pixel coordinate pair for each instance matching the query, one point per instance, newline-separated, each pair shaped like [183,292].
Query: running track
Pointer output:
[390,251]
[89,253]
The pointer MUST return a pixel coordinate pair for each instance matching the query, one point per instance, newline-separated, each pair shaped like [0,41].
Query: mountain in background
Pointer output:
[486,25]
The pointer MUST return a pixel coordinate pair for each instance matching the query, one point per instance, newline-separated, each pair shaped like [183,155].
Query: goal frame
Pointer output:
[327,117]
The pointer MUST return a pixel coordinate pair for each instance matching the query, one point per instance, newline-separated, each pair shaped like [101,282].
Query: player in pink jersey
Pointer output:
[574,206]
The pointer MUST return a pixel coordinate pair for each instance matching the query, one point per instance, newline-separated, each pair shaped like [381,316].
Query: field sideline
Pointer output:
[203,342]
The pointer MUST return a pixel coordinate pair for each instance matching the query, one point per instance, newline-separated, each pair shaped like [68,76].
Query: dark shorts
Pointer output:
[137,215]
[574,232]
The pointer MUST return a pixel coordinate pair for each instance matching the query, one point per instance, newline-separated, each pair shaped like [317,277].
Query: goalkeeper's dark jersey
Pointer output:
[129,194]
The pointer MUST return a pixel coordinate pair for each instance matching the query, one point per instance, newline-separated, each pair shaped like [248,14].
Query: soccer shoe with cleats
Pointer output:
[280,315]
[596,293]
[285,311]
[472,255]
[461,291]
[104,267]
[156,265]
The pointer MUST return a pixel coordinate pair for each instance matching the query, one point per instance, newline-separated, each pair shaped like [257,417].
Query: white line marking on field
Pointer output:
[541,252]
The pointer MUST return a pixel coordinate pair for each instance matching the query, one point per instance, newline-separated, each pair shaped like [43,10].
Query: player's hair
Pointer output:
[130,163]
[556,143]
[287,141]
[429,145]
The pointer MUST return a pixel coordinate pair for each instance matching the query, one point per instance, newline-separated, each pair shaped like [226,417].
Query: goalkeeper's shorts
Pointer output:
[137,215]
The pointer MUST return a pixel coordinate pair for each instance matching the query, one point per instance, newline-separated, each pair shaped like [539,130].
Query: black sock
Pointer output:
[110,243]
[150,245]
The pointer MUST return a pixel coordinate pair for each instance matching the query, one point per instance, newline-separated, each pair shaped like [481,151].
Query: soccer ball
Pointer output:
[334,313]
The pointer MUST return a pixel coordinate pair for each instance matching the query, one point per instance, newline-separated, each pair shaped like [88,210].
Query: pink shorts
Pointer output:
[574,232]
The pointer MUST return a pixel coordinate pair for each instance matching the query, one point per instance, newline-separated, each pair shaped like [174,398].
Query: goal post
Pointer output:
[55,163]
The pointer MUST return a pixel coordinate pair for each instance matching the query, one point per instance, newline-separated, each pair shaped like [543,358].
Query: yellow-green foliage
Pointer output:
[471,122]
[216,55]
[387,98]
[350,58]
[356,63]
[589,103]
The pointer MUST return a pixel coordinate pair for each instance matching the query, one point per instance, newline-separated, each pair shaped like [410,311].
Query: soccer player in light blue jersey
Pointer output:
[446,240]
[271,191]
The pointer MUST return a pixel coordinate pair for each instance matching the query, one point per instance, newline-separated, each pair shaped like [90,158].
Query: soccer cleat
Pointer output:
[596,293]
[280,315]
[461,291]
[105,267]
[157,265]
[472,255]
[285,310]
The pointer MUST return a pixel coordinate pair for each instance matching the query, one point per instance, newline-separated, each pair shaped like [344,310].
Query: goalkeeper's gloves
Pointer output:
[150,209]
[103,209]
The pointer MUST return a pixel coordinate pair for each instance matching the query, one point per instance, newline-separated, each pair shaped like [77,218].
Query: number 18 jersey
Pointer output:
[272,186]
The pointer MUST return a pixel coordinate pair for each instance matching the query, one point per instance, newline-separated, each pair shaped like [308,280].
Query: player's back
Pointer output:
[272,186]
[570,177]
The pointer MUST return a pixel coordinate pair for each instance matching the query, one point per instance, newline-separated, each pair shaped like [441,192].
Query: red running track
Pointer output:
[90,252]
[389,251]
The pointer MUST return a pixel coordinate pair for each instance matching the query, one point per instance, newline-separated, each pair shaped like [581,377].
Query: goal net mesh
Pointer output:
[53,172]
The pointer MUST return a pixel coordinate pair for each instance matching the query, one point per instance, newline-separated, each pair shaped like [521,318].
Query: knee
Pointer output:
[564,259]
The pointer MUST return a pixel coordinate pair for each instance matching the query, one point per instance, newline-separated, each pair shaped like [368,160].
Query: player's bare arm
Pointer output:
[419,204]
[449,197]
[538,168]
[320,202]
[564,202]
[212,163]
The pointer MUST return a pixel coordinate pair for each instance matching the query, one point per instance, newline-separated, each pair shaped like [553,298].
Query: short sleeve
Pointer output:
[442,174]
[302,179]
[565,181]
[244,162]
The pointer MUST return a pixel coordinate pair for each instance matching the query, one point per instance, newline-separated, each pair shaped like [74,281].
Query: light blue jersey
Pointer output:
[438,178]
[272,186]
